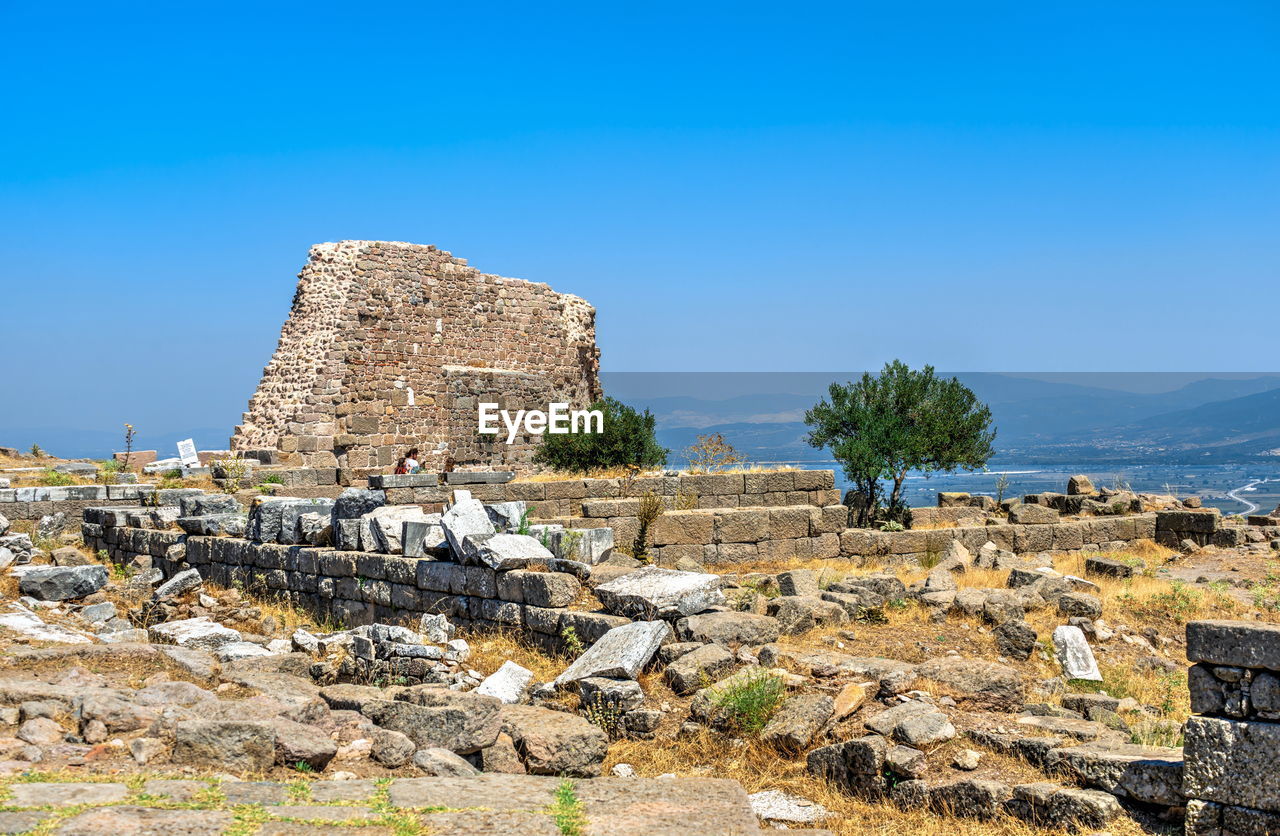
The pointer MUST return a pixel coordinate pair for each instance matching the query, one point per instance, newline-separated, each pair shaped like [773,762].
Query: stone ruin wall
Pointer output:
[393,345]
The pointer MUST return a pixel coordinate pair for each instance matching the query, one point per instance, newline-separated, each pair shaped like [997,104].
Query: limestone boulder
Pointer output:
[461,722]
[235,746]
[695,669]
[976,681]
[729,628]
[464,518]
[797,614]
[798,721]
[555,742]
[194,633]
[508,684]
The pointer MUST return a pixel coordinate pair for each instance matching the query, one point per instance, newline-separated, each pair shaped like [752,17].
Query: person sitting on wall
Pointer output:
[408,462]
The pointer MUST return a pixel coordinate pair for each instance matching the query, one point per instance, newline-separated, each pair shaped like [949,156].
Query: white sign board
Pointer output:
[187,452]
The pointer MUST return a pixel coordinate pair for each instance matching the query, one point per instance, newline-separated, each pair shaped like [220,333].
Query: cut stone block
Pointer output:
[387,524]
[620,653]
[1233,762]
[199,633]
[653,592]
[508,683]
[1075,654]
[1244,644]
[465,518]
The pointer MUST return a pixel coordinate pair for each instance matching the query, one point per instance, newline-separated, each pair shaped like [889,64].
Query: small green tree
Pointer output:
[885,426]
[629,440]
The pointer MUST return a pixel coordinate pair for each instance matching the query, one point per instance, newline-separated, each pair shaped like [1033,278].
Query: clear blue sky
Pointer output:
[738,186]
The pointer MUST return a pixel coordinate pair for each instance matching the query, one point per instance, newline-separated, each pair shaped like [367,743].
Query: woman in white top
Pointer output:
[409,462]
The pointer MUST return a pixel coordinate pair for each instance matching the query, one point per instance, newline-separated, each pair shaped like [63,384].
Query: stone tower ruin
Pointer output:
[391,345]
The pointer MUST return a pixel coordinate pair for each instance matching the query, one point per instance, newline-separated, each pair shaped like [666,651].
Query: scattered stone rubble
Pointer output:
[403,697]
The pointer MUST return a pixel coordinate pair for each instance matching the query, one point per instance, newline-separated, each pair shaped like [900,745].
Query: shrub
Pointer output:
[711,453]
[651,508]
[629,439]
[749,699]
[54,479]
[568,810]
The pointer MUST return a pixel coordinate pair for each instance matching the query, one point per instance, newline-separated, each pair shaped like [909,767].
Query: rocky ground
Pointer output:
[990,693]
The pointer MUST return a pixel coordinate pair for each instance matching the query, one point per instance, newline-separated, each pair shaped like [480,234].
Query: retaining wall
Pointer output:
[353,588]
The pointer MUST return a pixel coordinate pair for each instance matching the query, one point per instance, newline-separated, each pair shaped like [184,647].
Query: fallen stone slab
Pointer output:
[508,684]
[422,538]
[695,669]
[350,506]
[238,746]
[195,633]
[26,623]
[1075,655]
[462,722]
[976,681]
[464,518]
[62,583]
[179,584]
[798,721]
[1150,774]
[784,808]
[503,552]
[621,653]
[729,628]
[388,525]
[653,592]
[440,762]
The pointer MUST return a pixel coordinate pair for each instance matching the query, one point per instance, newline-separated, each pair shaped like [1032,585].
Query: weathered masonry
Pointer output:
[1231,775]
[390,345]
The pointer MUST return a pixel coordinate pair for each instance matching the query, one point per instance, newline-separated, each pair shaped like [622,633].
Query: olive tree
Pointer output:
[884,426]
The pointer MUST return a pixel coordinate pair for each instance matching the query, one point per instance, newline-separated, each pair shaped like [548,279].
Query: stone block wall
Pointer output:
[1089,535]
[611,499]
[390,345]
[36,502]
[1209,528]
[352,588]
[1231,775]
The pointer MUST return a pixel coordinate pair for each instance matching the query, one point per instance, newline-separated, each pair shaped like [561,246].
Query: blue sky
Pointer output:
[738,186]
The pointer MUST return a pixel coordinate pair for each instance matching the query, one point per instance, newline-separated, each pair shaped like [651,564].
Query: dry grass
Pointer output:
[491,648]
[758,767]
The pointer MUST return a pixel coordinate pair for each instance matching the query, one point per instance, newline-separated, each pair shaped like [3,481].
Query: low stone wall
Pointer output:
[1231,775]
[590,497]
[72,500]
[1209,528]
[352,588]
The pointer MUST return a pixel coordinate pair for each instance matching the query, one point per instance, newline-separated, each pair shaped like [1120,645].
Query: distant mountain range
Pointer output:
[1212,420]
[1209,421]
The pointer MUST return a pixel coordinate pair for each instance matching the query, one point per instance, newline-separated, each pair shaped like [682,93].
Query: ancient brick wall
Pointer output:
[391,345]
